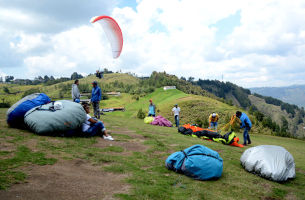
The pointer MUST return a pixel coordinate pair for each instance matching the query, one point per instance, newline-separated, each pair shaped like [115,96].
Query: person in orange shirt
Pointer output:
[213,121]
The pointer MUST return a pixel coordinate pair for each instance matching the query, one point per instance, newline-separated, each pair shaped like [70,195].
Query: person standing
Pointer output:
[176,112]
[96,97]
[246,124]
[75,92]
[151,109]
[213,121]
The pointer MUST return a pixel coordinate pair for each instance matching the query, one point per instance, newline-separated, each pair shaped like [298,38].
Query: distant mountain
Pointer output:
[293,94]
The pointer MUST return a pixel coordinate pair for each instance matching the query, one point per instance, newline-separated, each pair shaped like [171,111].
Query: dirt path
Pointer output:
[67,180]
[74,179]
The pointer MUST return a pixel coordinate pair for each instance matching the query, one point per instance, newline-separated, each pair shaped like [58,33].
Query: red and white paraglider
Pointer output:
[113,33]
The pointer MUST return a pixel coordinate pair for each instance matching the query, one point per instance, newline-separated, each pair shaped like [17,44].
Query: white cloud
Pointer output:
[83,49]
[177,36]
[28,42]
[270,34]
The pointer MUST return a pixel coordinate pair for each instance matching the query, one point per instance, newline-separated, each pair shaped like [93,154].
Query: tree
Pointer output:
[183,78]
[9,78]
[46,78]
[259,116]
[191,79]
[75,76]
[252,108]
[40,78]
[284,127]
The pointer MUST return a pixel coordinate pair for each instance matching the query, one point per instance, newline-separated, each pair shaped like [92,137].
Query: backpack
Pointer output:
[198,162]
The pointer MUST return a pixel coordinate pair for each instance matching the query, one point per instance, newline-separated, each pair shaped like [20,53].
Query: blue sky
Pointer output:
[249,43]
[226,26]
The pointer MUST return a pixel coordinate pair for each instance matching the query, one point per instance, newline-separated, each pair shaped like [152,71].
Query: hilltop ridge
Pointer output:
[199,103]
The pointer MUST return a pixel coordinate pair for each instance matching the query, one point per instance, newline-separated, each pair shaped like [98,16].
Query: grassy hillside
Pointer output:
[239,96]
[276,114]
[137,156]
[63,90]
[194,108]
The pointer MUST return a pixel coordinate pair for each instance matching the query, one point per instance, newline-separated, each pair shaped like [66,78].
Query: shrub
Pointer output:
[136,97]
[199,122]
[30,91]
[5,105]
[6,90]
[105,96]
[84,88]
[206,123]
[141,114]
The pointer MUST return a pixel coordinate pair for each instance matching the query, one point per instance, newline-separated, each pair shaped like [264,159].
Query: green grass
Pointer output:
[151,180]
[9,173]
[53,91]
[147,175]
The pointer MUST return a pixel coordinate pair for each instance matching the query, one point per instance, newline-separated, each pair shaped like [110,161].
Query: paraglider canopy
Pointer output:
[113,33]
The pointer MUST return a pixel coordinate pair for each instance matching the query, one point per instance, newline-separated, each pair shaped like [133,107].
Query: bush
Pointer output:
[136,97]
[84,88]
[6,90]
[141,114]
[105,96]
[31,91]
[206,123]
[202,122]
[199,122]
[5,105]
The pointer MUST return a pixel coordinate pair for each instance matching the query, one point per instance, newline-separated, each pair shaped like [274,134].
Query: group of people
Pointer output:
[92,126]
[175,110]
[245,122]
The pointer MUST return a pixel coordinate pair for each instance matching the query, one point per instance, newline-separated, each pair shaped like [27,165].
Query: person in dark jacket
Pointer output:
[96,97]
[246,124]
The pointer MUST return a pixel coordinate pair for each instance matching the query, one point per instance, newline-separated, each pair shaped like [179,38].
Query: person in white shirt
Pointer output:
[176,111]
[92,127]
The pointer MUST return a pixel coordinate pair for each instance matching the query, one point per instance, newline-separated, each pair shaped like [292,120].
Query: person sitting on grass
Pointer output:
[92,126]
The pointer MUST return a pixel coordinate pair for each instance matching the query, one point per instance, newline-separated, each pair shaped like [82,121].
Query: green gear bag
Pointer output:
[45,120]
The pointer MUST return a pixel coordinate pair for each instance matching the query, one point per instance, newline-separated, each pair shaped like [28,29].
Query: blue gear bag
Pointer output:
[198,162]
[15,114]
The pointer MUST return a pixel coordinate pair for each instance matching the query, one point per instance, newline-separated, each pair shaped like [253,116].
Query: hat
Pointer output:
[94,83]
[214,115]
[238,114]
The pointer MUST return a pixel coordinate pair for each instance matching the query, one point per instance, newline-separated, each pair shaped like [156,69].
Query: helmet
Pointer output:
[58,105]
